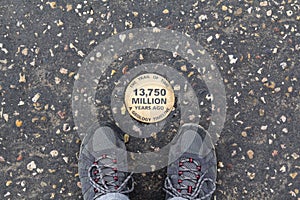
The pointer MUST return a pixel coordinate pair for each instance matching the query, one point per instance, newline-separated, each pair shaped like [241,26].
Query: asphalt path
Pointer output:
[255,45]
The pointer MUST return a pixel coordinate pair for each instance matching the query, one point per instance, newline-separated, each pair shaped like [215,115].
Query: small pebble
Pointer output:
[152,23]
[270,85]
[36,97]
[20,157]
[8,183]
[265,79]
[166,11]
[293,175]
[264,127]
[232,59]
[190,74]
[202,18]
[274,153]
[224,8]
[22,78]
[283,169]
[295,156]
[5,117]
[59,23]
[89,20]
[69,7]
[54,153]
[197,26]
[192,117]
[7,194]
[263,3]
[238,12]
[261,112]
[19,123]
[128,24]
[31,166]
[123,110]
[52,4]
[285,130]
[220,164]
[283,65]
[126,138]
[113,72]
[209,39]
[153,167]
[154,135]
[183,68]
[2,159]
[122,37]
[43,184]
[141,57]
[57,80]
[135,14]
[244,134]
[66,159]
[289,13]
[66,127]
[25,51]
[263,100]
[23,183]
[283,118]
[177,87]
[63,71]
[251,175]
[250,154]
[277,89]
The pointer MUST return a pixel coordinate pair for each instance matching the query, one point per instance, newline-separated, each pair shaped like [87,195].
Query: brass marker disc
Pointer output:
[149,98]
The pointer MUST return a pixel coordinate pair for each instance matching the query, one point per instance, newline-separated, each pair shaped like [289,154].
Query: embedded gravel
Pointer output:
[255,45]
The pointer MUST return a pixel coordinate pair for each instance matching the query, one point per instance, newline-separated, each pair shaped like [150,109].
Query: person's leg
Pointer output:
[113,196]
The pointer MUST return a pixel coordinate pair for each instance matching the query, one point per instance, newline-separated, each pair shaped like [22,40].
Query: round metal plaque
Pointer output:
[149,98]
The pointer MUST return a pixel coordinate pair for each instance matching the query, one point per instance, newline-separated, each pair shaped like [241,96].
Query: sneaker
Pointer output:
[193,175]
[103,162]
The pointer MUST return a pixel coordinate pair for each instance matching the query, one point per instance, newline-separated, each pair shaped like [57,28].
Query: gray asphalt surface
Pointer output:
[255,45]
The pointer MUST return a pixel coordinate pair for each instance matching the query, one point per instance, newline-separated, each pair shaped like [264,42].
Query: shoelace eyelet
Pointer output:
[190,189]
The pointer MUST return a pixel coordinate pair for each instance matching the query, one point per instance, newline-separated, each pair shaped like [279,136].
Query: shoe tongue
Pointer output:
[110,174]
[185,177]
[103,139]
